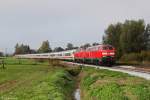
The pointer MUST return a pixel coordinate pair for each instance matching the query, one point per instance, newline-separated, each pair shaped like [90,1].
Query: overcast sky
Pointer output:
[62,21]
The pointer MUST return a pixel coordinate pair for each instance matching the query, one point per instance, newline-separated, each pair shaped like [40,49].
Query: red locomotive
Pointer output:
[100,54]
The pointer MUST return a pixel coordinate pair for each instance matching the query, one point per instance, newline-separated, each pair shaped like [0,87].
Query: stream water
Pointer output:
[77,94]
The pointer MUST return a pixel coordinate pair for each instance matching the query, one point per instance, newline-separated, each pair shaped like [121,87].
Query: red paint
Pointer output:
[95,52]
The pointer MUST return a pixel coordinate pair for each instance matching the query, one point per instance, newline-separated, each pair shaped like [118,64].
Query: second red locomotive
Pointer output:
[100,54]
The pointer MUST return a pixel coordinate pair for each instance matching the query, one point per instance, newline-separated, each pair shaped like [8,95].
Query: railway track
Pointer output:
[139,72]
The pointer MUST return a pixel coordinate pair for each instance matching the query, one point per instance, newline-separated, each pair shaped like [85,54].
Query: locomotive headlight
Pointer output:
[104,53]
[112,53]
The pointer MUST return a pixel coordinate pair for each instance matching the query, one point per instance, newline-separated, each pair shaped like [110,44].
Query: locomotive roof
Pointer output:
[100,45]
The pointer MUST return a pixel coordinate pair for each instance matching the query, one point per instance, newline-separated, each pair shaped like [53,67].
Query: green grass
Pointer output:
[29,81]
[14,61]
[110,85]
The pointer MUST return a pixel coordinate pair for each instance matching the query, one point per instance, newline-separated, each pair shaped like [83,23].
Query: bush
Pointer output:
[139,57]
[74,71]
[145,55]
[131,57]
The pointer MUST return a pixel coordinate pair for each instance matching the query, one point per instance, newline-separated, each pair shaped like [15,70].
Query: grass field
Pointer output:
[30,81]
[109,85]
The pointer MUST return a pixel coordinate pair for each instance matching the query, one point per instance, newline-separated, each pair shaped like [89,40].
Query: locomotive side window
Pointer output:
[99,48]
[105,48]
[93,49]
[110,48]
[89,49]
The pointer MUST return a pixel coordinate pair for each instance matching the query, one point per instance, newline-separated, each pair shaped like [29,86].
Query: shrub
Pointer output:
[131,57]
[145,55]
[109,91]
[74,71]
[139,57]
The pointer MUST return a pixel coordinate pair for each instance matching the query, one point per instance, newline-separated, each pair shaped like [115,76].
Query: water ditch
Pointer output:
[77,94]
[75,72]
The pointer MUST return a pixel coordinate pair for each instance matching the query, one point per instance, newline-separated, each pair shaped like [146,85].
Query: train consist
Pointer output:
[100,54]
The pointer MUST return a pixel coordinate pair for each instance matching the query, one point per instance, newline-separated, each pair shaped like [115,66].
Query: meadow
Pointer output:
[24,79]
[30,80]
[109,85]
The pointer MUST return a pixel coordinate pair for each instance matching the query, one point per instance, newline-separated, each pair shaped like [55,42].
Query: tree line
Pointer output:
[131,39]
[46,48]
[132,36]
